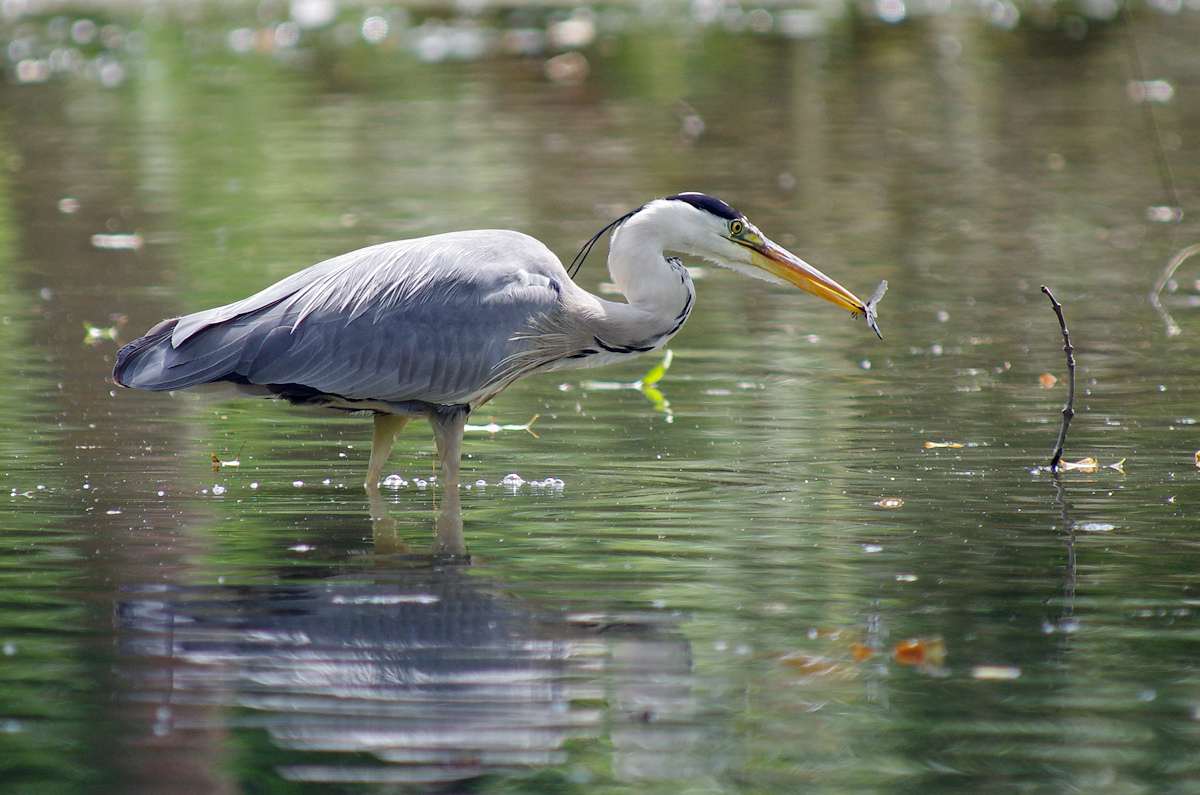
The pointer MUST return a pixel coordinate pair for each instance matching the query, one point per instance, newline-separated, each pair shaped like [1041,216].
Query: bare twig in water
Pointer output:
[1069,409]
[1173,328]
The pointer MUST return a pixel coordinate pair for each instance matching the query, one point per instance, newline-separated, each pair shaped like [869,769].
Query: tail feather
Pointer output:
[153,363]
[140,363]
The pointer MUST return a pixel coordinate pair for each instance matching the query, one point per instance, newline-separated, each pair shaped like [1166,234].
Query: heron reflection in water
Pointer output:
[437,326]
[408,675]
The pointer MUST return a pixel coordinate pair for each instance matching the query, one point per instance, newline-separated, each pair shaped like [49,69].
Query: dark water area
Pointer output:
[807,560]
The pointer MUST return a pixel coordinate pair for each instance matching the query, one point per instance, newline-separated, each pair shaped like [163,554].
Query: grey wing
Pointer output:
[432,320]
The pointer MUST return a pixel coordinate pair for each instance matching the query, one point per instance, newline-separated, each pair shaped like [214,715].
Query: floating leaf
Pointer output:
[659,400]
[493,428]
[657,371]
[861,651]
[217,463]
[889,502]
[920,652]
[118,242]
[936,445]
[995,672]
[646,385]
[1090,464]
[1047,380]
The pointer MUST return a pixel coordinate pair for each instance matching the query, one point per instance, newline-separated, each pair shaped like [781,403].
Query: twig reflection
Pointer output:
[1164,278]
[1064,509]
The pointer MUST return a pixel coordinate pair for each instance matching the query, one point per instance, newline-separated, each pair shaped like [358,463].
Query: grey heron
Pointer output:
[437,326]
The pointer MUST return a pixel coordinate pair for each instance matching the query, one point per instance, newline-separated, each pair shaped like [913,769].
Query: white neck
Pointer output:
[658,293]
[639,267]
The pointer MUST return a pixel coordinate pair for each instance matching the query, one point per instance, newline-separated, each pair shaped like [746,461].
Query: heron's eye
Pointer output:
[736,228]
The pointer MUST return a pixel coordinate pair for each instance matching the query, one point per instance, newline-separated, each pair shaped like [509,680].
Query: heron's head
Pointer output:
[704,226]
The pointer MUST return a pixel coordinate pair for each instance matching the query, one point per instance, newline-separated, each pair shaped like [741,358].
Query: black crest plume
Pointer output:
[701,201]
[588,246]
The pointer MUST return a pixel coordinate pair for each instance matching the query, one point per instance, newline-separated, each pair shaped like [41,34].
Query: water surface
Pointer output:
[747,590]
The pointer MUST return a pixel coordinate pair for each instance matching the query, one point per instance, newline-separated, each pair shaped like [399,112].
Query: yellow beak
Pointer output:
[780,262]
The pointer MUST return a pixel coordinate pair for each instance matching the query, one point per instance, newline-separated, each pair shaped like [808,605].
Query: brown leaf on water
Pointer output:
[936,445]
[920,652]
[889,502]
[861,651]
[1198,458]
[1047,380]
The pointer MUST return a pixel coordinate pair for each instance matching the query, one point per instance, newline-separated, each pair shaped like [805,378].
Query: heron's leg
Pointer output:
[387,428]
[448,428]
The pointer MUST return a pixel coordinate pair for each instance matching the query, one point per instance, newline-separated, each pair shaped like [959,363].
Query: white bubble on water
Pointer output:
[374,29]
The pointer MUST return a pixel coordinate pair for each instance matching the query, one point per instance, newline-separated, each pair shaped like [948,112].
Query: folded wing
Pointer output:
[432,320]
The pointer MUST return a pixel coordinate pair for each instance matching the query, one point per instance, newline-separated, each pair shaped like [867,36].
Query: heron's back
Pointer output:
[431,320]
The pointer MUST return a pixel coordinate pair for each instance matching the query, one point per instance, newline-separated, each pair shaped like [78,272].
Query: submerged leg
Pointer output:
[387,428]
[448,428]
